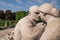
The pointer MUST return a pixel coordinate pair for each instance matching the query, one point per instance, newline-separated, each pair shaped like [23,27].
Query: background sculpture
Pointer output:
[52,30]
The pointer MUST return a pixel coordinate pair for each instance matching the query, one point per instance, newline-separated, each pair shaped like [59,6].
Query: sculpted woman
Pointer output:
[51,16]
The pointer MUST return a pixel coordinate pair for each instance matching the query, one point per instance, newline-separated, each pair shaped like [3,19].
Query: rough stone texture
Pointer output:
[6,34]
[28,28]
[52,30]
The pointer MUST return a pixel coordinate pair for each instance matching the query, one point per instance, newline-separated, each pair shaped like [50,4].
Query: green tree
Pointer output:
[21,14]
[2,14]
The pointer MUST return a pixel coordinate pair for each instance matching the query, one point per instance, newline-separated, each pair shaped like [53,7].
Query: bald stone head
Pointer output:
[34,9]
[49,8]
[34,13]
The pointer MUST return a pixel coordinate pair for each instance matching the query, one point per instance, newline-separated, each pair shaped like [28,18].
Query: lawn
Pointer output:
[7,23]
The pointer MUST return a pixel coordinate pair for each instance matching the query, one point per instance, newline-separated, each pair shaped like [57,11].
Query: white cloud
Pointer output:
[3,3]
[35,2]
[30,2]
[2,9]
[19,1]
[39,1]
[10,5]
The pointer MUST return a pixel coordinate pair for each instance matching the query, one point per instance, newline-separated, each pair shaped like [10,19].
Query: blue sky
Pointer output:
[16,5]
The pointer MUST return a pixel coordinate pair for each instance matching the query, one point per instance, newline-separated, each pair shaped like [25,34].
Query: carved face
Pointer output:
[42,15]
[34,13]
[45,9]
[35,16]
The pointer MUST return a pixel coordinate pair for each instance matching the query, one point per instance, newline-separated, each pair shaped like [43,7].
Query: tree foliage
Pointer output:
[8,15]
[21,14]
[2,14]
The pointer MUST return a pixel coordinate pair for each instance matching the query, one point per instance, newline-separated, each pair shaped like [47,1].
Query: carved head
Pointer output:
[34,13]
[45,9]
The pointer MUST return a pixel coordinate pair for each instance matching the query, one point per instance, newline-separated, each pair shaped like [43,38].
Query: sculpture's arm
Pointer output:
[36,30]
[17,33]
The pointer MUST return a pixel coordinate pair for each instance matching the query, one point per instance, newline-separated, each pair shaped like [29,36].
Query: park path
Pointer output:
[5,32]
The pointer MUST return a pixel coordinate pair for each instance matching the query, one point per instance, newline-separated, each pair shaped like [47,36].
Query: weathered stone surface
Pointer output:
[6,34]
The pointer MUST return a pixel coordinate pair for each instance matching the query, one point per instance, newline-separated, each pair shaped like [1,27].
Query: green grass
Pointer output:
[9,23]
[2,23]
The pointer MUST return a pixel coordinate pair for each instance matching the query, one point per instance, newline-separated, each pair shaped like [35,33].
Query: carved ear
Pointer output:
[55,12]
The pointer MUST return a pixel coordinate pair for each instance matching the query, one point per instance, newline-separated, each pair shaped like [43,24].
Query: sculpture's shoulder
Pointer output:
[57,20]
[24,20]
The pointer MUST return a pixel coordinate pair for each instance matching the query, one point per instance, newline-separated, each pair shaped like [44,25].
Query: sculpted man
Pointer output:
[29,28]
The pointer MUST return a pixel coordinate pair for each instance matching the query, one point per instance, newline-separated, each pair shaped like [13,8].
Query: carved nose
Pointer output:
[39,17]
